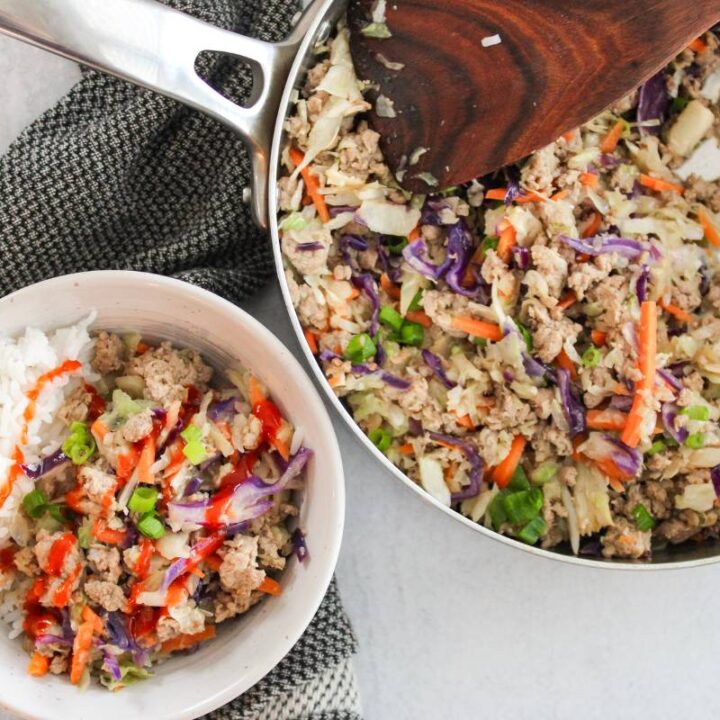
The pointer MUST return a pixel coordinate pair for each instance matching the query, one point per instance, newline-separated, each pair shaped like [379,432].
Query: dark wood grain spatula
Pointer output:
[477,84]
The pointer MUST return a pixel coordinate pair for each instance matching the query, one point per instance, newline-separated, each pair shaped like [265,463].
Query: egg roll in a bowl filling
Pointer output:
[539,349]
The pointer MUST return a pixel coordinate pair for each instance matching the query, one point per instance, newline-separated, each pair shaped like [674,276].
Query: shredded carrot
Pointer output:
[389,286]
[621,389]
[608,419]
[677,312]
[503,472]
[99,429]
[89,616]
[589,179]
[270,586]
[311,185]
[560,195]
[185,642]
[508,240]
[496,194]
[466,422]
[419,316]
[407,449]
[647,362]
[598,337]
[81,651]
[213,562]
[126,462]
[477,328]
[659,185]
[414,234]
[698,45]
[141,348]
[530,198]
[311,340]
[611,140]
[146,461]
[593,226]
[334,381]
[255,390]
[39,665]
[563,361]
[577,441]
[568,299]
[611,469]
[711,231]
[568,136]
[354,293]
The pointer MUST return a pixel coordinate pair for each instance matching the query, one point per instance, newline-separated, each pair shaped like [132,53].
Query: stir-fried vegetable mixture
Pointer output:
[539,349]
[162,515]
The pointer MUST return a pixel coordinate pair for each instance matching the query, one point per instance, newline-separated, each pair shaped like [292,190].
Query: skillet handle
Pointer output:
[151,45]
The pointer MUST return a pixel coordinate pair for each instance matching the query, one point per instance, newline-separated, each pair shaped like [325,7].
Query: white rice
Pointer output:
[22,361]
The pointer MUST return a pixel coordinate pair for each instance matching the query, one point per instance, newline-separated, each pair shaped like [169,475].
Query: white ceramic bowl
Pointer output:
[248,648]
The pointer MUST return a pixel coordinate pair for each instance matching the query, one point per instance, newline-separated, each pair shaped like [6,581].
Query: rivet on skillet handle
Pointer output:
[151,45]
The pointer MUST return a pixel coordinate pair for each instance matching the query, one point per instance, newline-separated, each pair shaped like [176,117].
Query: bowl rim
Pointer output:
[336,503]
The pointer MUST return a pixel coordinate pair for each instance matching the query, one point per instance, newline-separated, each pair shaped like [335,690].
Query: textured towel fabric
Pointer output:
[116,177]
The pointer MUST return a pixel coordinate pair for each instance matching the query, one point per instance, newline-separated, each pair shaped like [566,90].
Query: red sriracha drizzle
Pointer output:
[38,620]
[97,404]
[59,551]
[7,558]
[270,417]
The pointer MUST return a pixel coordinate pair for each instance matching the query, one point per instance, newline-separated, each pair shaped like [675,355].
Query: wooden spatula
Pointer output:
[485,82]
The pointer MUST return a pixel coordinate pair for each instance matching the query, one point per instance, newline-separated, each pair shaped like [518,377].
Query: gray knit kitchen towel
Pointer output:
[116,177]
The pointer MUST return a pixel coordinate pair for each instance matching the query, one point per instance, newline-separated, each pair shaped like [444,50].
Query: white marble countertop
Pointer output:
[452,624]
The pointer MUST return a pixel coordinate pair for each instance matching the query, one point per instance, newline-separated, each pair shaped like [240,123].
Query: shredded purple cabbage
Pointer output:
[430,212]
[626,458]
[394,381]
[309,246]
[521,256]
[610,161]
[512,193]
[653,103]
[299,545]
[704,277]
[366,283]
[715,478]
[435,364]
[621,402]
[34,472]
[476,465]
[459,252]
[193,486]
[573,408]
[222,410]
[159,413]
[669,412]
[48,639]
[601,244]
[110,662]
[415,255]
[327,355]
[212,460]
[336,210]
[415,427]
[670,379]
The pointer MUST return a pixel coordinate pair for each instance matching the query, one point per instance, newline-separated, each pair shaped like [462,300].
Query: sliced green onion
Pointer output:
[527,336]
[642,517]
[35,504]
[480,342]
[80,445]
[192,433]
[697,412]
[521,507]
[496,509]
[377,30]
[391,317]
[489,243]
[150,526]
[397,247]
[381,438]
[143,500]
[84,536]
[412,334]
[518,481]
[544,474]
[657,447]
[533,531]
[360,349]
[294,221]
[696,441]
[58,512]
[195,452]
[415,302]
[680,103]
[449,190]
[591,357]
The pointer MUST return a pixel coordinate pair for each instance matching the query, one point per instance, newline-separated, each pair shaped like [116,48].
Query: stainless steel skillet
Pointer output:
[148,44]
